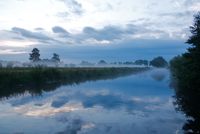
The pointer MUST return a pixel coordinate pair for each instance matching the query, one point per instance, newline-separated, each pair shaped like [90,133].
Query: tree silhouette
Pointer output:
[186,71]
[193,54]
[159,62]
[102,62]
[55,57]
[35,55]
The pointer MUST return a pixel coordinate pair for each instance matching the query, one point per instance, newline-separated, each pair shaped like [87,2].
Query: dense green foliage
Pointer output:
[35,80]
[159,62]
[186,73]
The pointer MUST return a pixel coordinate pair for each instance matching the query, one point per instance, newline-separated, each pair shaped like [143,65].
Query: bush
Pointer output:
[159,62]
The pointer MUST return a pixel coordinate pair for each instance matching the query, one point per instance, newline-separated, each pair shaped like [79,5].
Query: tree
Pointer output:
[186,72]
[193,54]
[55,57]
[35,55]
[102,62]
[141,62]
[159,62]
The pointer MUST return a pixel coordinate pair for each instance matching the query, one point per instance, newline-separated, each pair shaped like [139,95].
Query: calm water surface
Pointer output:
[136,104]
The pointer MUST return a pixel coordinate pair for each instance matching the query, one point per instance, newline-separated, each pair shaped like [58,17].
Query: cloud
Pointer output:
[39,29]
[63,14]
[107,101]
[59,102]
[74,6]
[177,14]
[30,35]
[60,30]
[107,33]
[190,2]
[11,52]
[72,127]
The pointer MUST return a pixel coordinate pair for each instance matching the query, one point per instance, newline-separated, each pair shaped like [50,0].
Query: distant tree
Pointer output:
[159,62]
[128,63]
[1,65]
[141,62]
[35,55]
[102,62]
[56,57]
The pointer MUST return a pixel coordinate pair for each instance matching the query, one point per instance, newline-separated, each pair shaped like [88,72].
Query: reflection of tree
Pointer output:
[158,76]
[188,102]
[16,81]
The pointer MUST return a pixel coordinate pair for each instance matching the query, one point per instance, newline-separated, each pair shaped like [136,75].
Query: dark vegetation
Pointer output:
[141,62]
[159,62]
[186,74]
[35,56]
[17,81]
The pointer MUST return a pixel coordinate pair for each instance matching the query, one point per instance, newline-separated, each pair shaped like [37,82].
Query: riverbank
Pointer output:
[36,80]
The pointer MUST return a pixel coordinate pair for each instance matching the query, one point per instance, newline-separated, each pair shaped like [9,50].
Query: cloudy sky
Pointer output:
[95,29]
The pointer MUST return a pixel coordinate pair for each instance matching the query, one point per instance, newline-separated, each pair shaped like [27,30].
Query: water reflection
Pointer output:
[159,75]
[132,104]
[187,101]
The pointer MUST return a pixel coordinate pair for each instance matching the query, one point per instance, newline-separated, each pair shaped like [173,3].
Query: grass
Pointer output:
[15,81]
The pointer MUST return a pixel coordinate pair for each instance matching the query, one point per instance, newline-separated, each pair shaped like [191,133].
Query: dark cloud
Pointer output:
[59,102]
[30,34]
[39,29]
[58,29]
[108,32]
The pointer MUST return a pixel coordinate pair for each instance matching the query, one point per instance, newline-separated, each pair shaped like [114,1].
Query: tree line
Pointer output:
[185,69]
[35,56]
[156,62]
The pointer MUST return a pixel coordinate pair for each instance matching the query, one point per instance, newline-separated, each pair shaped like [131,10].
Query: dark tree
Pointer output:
[56,57]
[102,62]
[186,72]
[193,54]
[141,62]
[159,62]
[35,55]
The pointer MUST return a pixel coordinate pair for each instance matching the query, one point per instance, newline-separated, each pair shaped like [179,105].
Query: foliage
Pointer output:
[159,62]
[102,62]
[56,57]
[35,55]
[14,81]
[141,62]
[186,73]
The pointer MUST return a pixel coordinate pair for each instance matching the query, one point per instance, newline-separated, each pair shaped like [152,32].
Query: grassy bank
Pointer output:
[35,80]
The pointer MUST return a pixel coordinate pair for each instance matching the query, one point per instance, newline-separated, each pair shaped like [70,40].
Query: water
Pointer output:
[140,104]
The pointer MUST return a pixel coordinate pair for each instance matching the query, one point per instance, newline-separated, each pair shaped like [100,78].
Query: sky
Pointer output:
[92,30]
